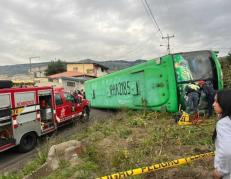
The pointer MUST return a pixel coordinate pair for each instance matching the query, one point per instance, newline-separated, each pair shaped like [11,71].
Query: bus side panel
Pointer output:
[151,84]
[112,91]
[138,98]
[160,86]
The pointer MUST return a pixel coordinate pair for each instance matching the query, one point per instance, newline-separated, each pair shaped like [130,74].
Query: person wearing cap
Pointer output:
[209,92]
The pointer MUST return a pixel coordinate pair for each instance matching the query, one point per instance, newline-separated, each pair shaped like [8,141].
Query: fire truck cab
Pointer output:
[70,106]
[27,113]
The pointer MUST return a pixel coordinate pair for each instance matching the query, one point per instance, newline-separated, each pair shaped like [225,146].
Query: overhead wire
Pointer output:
[149,12]
[136,49]
[155,24]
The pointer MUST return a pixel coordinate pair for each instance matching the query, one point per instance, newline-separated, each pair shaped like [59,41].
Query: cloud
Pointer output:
[109,30]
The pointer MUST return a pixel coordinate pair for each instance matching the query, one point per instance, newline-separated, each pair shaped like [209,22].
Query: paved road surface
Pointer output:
[12,160]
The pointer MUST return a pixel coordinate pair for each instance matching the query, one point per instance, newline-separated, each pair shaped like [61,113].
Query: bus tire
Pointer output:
[27,142]
[85,117]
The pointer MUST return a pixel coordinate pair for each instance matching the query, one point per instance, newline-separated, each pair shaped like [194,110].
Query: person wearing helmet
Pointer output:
[192,92]
[208,90]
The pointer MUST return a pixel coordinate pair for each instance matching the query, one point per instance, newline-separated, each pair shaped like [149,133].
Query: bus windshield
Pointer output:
[193,66]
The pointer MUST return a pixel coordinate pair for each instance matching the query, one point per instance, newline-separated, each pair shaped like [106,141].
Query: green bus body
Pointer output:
[157,84]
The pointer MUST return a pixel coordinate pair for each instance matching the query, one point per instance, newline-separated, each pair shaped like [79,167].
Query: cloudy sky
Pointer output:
[109,29]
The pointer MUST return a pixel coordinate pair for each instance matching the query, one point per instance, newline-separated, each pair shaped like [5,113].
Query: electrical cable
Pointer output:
[149,12]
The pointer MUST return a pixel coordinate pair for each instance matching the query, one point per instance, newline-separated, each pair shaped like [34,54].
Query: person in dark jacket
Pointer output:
[192,98]
[207,88]
[83,94]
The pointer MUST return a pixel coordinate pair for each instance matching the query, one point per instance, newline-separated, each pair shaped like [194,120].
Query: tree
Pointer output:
[55,67]
[228,58]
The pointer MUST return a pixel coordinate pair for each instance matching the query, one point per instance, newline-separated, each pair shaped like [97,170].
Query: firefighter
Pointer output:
[192,92]
[43,109]
[83,94]
[208,90]
[43,104]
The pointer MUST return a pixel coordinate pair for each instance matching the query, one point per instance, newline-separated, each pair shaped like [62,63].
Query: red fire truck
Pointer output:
[27,113]
[69,106]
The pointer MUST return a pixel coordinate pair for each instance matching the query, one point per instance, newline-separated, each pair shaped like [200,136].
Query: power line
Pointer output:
[149,12]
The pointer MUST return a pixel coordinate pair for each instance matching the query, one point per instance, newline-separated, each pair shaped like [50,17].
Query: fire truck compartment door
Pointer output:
[5,113]
[25,111]
[25,107]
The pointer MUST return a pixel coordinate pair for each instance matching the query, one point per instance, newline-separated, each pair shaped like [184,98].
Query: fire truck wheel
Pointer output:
[27,142]
[86,115]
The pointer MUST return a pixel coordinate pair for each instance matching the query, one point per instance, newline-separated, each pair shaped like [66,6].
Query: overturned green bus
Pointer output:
[157,84]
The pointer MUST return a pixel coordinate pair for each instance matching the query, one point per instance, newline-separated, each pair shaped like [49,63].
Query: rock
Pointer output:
[65,151]
[69,152]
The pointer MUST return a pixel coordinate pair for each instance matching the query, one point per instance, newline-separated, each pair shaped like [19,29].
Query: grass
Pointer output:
[28,168]
[134,139]
[140,140]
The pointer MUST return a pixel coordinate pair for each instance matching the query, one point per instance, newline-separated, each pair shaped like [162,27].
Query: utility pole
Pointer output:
[30,61]
[168,38]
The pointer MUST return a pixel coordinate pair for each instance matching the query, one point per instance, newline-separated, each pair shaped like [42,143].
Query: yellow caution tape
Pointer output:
[156,167]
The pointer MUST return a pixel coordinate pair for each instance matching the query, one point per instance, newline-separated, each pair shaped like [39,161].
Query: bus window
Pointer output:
[183,72]
[199,64]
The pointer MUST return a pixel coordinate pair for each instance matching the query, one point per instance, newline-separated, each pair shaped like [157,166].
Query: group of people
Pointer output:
[220,101]
[80,92]
[194,93]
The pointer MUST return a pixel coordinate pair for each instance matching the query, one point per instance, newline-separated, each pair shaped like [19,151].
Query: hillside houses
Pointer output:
[73,78]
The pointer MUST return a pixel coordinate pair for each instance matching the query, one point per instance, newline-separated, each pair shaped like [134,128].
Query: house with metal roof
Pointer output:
[88,67]
[70,80]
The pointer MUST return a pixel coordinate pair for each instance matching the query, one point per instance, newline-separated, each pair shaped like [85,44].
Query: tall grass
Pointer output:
[134,139]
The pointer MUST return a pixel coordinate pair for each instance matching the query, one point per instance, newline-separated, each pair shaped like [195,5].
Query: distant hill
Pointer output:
[24,68]
[114,65]
[19,68]
[121,64]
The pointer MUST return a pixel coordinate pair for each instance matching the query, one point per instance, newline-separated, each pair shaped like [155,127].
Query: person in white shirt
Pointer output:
[222,135]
